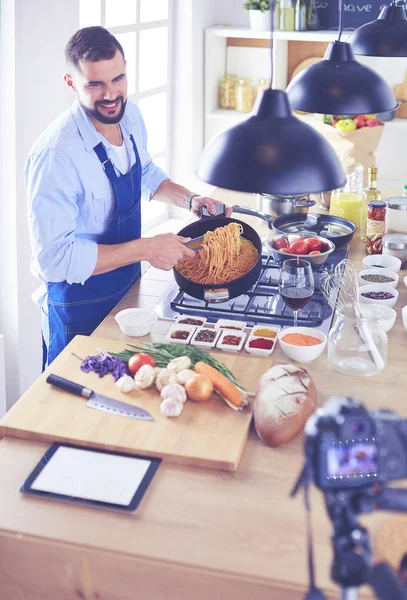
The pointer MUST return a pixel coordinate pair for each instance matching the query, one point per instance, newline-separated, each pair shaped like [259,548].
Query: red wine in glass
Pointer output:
[296,284]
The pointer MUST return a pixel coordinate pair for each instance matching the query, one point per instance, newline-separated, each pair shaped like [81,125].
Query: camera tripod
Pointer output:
[352,561]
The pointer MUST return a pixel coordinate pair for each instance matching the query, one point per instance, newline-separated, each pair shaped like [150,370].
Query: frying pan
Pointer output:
[337,230]
[220,292]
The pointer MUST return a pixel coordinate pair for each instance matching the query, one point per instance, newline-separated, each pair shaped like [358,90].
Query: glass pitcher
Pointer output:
[358,346]
[346,202]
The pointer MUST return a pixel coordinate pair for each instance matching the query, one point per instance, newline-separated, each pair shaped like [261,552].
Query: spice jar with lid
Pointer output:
[227,91]
[395,244]
[396,215]
[244,95]
[375,226]
[262,85]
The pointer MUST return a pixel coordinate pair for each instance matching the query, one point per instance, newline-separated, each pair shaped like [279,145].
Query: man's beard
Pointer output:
[93,112]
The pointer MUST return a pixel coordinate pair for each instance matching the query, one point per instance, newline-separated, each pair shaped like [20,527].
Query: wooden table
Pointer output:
[197,533]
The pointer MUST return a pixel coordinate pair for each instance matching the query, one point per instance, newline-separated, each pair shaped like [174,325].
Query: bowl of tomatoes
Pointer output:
[313,248]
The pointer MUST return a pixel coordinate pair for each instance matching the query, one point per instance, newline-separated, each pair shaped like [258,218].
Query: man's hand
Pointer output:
[165,250]
[199,201]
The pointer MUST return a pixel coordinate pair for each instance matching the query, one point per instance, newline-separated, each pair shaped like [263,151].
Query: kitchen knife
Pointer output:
[100,402]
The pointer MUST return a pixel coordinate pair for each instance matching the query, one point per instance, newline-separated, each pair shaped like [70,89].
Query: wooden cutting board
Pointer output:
[208,434]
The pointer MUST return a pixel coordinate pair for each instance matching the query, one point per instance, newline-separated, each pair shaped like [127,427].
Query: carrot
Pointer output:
[229,392]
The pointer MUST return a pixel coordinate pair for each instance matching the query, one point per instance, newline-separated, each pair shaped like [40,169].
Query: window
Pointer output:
[143,29]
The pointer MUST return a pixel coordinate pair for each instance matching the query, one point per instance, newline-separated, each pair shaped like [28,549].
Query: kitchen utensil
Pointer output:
[136,322]
[339,231]
[316,260]
[284,205]
[98,401]
[220,292]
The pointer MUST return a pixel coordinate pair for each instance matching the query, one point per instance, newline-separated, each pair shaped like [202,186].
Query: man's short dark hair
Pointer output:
[91,43]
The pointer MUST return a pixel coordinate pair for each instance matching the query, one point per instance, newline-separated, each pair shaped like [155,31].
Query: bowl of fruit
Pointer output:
[315,249]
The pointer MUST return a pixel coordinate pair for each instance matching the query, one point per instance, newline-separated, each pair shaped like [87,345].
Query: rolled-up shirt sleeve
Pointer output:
[54,192]
[152,176]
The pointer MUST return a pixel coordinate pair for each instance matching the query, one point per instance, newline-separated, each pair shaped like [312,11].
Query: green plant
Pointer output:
[262,5]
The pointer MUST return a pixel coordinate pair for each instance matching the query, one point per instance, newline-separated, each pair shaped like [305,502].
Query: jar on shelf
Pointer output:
[262,85]
[227,91]
[244,95]
[358,346]
[375,226]
[346,202]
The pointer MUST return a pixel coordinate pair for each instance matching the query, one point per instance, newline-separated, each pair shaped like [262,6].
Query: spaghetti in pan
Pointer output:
[225,256]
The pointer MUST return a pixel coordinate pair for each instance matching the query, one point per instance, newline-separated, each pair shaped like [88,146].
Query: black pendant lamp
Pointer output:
[271,152]
[340,85]
[387,36]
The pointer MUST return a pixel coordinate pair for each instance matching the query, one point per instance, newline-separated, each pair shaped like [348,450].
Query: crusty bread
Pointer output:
[285,398]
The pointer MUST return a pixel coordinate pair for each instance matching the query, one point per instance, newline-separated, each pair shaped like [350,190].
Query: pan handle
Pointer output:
[245,210]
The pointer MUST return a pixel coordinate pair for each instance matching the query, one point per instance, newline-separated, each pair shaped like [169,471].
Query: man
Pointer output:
[85,177]
[403,570]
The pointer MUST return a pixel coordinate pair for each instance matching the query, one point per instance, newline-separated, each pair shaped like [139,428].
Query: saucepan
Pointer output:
[220,292]
[337,230]
[284,205]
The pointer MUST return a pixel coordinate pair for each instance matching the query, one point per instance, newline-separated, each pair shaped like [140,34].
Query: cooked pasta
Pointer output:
[225,255]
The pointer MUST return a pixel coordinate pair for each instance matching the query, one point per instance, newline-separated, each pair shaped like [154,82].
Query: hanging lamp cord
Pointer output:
[340,19]
[272,4]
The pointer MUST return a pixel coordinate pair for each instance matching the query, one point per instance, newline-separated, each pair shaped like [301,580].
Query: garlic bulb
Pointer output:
[126,384]
[144,377]
[184,375]
[179,364]
[157,371]
[174,390]
[171,407]
[165,377]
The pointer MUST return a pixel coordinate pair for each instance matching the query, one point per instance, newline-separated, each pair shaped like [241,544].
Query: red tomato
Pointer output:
[280,243]
[314,252]
[285,250]
[298,247]
[138,360]
[313,244]
[324,247]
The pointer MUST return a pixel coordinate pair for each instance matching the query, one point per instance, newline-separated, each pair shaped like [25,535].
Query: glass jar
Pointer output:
[395,244]
[227,92]
[396,216]
[358,346]
[346,202]
[263,84]
[244,95]
[375,226]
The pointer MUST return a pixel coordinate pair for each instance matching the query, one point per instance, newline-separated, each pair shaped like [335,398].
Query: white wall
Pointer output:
[33,37]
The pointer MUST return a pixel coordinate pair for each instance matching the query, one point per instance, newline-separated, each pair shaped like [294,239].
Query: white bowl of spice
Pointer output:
[302,344]
[378,293]
[382,276]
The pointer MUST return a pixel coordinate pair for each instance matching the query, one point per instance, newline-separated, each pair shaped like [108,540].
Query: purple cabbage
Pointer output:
[104,365]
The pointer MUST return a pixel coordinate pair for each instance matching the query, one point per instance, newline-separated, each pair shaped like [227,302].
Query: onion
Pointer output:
[199,388]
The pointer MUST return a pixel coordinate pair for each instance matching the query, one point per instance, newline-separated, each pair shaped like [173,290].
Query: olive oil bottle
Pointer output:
[286,16]
[370,193]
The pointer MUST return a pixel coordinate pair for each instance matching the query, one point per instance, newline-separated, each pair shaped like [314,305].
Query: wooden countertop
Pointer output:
[197,532]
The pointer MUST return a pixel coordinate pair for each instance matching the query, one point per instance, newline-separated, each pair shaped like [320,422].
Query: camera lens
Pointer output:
[357,427]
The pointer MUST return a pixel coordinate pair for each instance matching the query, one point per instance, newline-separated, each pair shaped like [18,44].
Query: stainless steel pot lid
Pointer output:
[397,203]
[395,241]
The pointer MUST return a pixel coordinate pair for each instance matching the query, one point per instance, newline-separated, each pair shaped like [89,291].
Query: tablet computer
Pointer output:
[91,477]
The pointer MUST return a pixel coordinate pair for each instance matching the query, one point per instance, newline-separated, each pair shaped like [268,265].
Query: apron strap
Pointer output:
[106,162]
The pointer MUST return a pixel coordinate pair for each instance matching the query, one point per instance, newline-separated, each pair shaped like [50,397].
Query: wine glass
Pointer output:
[296,284]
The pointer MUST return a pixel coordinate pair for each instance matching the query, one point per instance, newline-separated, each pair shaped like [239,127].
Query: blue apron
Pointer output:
[78,309]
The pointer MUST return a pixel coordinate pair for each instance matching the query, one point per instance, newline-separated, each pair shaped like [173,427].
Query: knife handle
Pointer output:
[69,386]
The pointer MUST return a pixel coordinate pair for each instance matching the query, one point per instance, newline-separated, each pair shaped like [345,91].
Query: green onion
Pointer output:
[164,353]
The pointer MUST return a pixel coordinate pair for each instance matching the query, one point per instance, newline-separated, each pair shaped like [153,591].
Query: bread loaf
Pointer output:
[285,398]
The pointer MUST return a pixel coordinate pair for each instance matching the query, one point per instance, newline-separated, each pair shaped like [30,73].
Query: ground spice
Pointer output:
[299,339]
[261,343]
[231,340]
[267,333]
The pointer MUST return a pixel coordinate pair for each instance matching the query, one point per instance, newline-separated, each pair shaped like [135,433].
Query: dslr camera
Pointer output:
[348,447]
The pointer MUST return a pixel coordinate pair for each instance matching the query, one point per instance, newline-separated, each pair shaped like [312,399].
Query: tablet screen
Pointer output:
[94,477]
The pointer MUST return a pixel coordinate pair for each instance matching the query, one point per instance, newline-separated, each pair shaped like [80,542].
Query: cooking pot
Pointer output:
[220,292]
[284,205]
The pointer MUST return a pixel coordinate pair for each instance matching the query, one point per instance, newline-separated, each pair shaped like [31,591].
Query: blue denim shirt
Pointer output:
[70,199]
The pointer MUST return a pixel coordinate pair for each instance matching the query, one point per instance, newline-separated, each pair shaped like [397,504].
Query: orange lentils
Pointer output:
[299,339]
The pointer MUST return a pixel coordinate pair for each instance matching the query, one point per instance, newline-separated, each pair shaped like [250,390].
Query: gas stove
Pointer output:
[261,303]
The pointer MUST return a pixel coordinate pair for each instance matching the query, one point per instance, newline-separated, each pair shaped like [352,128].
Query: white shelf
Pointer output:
[299,36]
[224,113]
